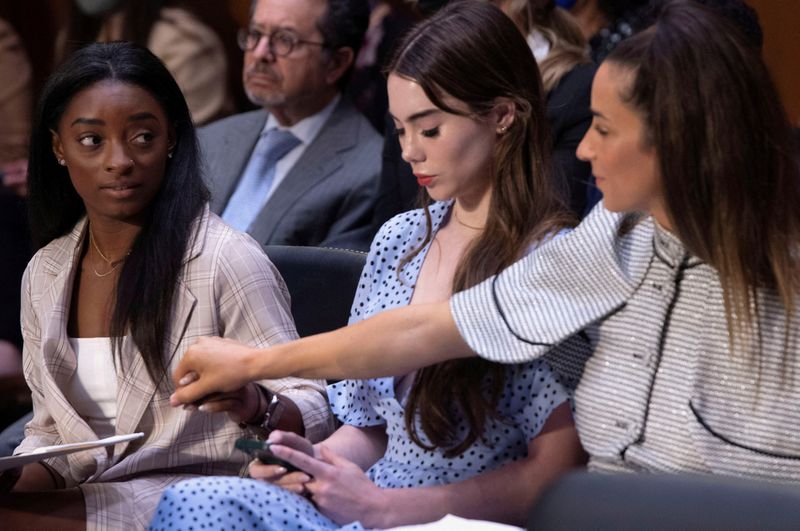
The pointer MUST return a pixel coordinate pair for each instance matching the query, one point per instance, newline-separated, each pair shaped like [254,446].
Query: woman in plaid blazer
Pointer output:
[132,270]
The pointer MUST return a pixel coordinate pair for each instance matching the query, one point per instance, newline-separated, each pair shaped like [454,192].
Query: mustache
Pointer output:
[265,70]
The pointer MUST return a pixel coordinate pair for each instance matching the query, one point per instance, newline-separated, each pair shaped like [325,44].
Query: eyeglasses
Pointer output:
[281,42]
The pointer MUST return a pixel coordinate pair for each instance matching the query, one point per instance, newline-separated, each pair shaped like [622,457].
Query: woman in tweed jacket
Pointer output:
[688,291]
[133,269]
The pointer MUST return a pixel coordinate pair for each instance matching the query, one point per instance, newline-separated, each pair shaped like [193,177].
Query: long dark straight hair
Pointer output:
[472,52]
[726,157]
[146,285]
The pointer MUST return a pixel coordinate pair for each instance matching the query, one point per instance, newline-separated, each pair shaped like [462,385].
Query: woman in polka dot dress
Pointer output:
[471,438]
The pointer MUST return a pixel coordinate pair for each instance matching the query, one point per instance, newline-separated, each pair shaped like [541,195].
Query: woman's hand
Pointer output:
[243,405]
[212,365]
[338,487]
[291,481]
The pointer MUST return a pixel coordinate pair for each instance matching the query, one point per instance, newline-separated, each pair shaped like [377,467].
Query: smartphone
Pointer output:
[260,450]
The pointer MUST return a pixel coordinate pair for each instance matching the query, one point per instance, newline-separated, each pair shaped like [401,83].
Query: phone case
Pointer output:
[260,450]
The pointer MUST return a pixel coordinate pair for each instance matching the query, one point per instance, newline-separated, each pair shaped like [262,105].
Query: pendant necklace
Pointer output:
[112,264]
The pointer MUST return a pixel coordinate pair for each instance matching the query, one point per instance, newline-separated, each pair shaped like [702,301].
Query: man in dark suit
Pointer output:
[304,170]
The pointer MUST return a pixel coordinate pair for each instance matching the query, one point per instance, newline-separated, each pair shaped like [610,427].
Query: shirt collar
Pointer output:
[307,129]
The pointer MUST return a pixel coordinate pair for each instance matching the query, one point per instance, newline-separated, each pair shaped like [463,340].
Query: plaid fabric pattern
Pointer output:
[227,288]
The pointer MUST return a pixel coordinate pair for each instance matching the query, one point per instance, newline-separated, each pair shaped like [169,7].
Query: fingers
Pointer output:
[308,464]
[191,386]
[189,377]
[191,365]
[293,481]
[259,470]
[219,406]
[329,456]
[183,373]
[191,395]
[291,440]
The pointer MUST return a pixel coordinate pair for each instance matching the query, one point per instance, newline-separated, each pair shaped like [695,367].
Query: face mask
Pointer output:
[566,4]
[93,8]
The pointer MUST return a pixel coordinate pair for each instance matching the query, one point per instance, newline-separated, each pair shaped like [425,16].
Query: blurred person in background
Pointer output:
[303,169]
[185,34]
[606,23]
[20,72]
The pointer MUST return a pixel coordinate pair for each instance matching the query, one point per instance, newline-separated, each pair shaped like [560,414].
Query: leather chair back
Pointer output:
[322,283]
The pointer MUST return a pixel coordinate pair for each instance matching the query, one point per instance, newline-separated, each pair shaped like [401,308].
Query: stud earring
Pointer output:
[62,162]
[503,129]
[169,154]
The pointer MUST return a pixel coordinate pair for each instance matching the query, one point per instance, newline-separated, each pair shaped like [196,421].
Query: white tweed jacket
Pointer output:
[228,288]
[662,390]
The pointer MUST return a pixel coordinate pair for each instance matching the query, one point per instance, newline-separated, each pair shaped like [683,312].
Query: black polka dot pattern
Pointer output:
[236,504]
[530,394]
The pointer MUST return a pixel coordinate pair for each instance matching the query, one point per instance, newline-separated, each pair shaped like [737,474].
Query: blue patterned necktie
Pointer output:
[251,194]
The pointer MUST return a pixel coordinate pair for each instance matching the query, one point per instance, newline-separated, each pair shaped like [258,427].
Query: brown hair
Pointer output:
[470,51]
[567,45]
[726,157]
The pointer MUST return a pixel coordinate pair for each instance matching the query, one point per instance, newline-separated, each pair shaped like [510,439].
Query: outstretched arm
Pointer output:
[393,342]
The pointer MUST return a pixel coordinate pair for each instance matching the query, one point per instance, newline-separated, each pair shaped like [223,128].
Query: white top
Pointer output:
[306,130]
[92,390]
[539,45]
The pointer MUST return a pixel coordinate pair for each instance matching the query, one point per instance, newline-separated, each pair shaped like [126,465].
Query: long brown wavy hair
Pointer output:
[472,52]
[726,156]
[568,47]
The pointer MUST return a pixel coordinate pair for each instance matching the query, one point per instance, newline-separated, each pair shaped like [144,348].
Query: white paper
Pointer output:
[62,449]
[456,523]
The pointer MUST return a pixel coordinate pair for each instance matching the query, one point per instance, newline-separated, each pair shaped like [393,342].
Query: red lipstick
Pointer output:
[424,180]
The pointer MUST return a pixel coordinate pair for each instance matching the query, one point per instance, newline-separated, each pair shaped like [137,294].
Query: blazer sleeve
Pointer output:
[254,308]
[565,285]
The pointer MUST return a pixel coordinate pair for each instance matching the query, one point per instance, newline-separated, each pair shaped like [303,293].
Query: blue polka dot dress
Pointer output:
[531,393]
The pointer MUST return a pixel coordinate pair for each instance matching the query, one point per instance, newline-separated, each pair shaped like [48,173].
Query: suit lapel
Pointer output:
[227,163]
[319,160]
[135,388]
[60,362]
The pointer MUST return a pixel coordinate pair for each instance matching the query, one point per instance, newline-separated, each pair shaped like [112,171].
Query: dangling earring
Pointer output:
[169,154]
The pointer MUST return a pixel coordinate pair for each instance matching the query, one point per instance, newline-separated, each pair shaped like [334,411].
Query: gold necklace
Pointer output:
[112,264]
[455,215]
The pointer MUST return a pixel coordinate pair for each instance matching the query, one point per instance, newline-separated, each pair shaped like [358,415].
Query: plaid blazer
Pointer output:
[227,288]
